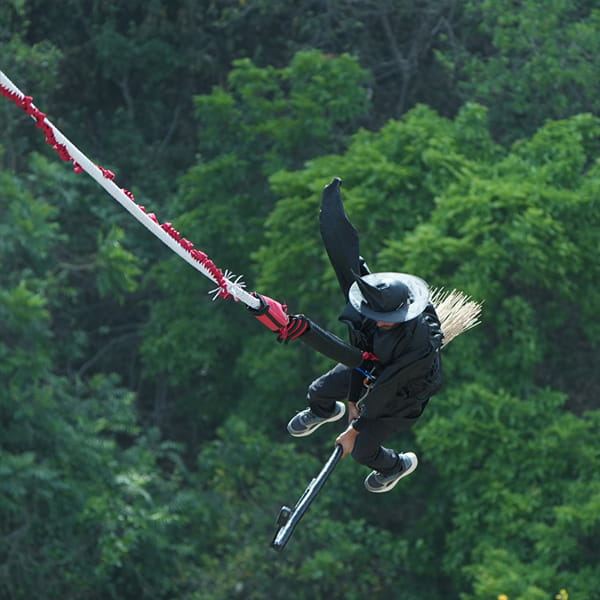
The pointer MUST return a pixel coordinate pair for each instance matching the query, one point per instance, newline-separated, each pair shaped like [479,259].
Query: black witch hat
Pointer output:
[389,297]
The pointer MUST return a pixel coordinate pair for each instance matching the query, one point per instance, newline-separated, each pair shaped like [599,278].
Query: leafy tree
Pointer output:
[525,64]
[89,501]
[126,72]
[78,252]
[505,501]
[126,77]
[32,64]
[524,520]
[394,41]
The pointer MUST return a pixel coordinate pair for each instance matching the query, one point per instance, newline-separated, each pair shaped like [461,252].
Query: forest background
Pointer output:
[143,444]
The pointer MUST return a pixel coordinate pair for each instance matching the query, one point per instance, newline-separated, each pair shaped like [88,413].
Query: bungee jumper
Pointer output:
[392,365]
[387,373]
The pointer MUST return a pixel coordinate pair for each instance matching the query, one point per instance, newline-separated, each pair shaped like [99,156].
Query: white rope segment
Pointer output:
[165,232]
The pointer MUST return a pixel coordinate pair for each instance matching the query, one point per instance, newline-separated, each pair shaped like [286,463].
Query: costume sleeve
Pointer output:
[340,238]
[330,345]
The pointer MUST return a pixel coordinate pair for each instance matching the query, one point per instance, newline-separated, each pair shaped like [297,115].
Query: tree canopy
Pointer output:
[143,444]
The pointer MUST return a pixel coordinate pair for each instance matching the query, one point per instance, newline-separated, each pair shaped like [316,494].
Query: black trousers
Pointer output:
[324,391]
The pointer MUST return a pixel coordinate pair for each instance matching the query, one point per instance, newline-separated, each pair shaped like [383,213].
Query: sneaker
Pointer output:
[305,422]
[378,483]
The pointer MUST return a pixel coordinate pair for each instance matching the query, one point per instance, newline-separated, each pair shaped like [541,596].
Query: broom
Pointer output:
[457,312]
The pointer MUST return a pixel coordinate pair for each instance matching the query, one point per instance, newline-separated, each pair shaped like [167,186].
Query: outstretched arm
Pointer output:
[273,315]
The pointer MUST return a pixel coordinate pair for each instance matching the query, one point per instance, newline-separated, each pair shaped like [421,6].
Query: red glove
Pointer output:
[270,313]
[296,326]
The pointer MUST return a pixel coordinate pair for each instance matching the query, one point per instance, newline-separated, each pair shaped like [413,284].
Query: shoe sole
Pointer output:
[414,463]
[313,429]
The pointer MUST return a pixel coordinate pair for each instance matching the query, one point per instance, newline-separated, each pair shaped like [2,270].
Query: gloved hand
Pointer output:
[270,313]
[296,326]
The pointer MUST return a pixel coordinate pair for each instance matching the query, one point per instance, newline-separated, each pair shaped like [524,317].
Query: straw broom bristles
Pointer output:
[457,312]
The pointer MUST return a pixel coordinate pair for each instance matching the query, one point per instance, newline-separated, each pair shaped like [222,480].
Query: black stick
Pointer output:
[289,518]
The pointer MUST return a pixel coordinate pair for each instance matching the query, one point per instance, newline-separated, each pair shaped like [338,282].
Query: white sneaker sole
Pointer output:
[313,429]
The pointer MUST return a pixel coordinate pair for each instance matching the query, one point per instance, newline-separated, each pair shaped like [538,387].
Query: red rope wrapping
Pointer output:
[26,103]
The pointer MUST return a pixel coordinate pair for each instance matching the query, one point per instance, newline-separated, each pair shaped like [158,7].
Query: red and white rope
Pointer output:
[163,231]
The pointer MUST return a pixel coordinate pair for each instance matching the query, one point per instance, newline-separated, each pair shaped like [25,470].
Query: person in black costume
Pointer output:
[392,365]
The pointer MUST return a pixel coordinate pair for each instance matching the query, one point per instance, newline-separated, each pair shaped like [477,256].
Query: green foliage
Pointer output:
[35,65]
[27,228]
[118,267]
[525,63]
[279,117]
[522,480]
[80,487]
[68,250]
[392,180]
[128,473]
[85,506]
[81,515]
[267,119]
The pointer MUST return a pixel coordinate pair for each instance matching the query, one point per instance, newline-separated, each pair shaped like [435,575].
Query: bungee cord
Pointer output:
[165,232]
